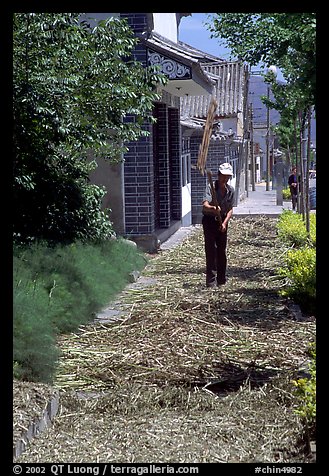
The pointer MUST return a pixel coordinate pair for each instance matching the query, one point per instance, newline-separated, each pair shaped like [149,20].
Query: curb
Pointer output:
[37,426]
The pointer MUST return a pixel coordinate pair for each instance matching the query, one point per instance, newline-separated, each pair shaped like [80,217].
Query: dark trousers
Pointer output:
[215,249]
[293,193]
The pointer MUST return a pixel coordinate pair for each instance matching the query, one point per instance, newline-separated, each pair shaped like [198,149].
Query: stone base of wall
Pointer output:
[147,243]
[150,243]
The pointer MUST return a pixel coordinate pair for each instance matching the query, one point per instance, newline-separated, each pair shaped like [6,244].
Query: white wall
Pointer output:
[166,25]
[230,123]
[186,205]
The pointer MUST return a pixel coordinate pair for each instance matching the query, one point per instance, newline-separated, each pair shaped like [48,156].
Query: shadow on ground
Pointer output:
[232,376]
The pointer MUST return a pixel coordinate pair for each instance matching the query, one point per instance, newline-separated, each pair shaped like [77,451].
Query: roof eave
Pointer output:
[198,83]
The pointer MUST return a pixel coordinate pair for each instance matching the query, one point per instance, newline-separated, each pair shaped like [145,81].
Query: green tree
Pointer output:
[74,90]
[284,39]
[287,40]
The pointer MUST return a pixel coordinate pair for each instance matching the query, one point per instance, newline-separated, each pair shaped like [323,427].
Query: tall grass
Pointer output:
[35,353]
[56,289]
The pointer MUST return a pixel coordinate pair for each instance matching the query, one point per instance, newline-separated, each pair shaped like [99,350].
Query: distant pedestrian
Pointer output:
[215,223]
[292,182]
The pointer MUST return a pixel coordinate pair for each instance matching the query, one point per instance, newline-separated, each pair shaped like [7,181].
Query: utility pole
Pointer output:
[272,70]
[252,155]
[247,137]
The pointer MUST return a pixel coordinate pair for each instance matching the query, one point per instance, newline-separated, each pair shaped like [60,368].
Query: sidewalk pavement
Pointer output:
[261,202]
[177,237]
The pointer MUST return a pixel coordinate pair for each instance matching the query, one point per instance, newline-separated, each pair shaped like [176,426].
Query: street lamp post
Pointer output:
[273,70]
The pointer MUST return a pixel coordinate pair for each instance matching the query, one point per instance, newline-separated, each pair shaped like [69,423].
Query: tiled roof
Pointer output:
[183,50]
[229,91]
[228,78]
[200,55]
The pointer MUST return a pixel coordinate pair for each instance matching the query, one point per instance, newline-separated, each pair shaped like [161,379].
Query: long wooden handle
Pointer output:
[214,198]
[203,151]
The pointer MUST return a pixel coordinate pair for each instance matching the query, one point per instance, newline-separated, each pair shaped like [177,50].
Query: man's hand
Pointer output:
[224,226]
[217,211]
[214,210]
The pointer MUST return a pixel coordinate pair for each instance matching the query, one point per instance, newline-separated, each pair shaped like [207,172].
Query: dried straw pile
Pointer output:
[189,374]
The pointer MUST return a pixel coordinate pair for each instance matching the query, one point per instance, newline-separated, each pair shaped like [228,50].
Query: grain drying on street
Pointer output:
[186,374]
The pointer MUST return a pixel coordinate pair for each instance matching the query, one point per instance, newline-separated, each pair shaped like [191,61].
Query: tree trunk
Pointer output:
[298,170]
[309,114]
[301,164]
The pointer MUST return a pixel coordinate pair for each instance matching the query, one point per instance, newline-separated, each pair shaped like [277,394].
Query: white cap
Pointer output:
[225,169]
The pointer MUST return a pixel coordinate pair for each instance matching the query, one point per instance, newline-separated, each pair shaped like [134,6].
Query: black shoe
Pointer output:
[212,284]
[220,283]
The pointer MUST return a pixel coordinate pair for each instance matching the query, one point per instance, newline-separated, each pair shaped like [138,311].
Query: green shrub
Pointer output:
[300,262]
[292,230]
[56,289]
[286,195]
[313,229]
[306,394]
[300,270]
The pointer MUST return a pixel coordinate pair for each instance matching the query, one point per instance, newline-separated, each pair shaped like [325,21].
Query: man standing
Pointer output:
[292,182]
[215,222]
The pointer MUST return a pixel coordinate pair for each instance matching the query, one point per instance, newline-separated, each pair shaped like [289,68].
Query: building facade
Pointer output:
[154,189]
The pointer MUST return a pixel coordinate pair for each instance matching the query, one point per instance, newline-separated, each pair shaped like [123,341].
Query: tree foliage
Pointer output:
[287,40]
[73,87]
